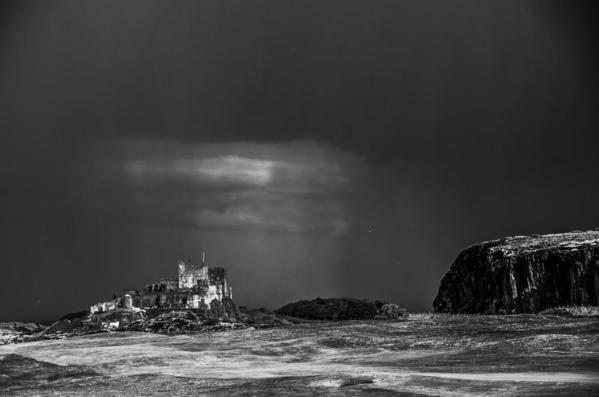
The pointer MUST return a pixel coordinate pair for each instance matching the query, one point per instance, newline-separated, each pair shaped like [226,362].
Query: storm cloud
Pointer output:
[314,148]
[296,186]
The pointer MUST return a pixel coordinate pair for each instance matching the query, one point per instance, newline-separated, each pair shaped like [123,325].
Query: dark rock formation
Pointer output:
[59,327]
[262,318]
[337,309]
[182,322]
[75,315]
[15,332]
[225,310]
[523,274]
[390,311]
[220,316]
[26,328]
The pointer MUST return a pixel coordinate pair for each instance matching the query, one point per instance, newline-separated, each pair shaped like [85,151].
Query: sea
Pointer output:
[427,355]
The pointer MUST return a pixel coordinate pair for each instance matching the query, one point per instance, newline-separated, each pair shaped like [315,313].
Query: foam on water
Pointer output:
[442,356]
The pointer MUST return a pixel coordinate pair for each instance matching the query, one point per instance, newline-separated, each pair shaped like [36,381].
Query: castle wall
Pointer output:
[190,274]
[211,295]
[197,285]
[104,306]
[163,286]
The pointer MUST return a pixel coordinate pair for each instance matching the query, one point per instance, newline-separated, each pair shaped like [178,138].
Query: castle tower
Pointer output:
[181,274]
[203,268]
[127,302]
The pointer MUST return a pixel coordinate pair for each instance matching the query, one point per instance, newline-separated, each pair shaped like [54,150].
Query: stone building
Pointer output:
[191,274]
[198,285]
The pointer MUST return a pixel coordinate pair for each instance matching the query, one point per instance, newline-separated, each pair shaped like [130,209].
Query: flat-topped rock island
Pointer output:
[523,274]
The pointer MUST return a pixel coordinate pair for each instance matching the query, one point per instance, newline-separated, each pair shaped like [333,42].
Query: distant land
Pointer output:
[551,274]
[199,300]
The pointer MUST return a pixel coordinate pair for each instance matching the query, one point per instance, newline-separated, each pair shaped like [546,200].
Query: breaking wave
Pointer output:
[441,355]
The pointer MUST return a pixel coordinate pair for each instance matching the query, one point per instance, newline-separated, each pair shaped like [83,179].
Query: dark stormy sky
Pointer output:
[313,148]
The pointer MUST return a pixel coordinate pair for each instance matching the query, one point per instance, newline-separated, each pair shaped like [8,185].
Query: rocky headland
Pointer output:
[221,316]
[523,274]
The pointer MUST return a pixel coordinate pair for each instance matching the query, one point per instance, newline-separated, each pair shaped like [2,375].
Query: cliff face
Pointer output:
[523,274]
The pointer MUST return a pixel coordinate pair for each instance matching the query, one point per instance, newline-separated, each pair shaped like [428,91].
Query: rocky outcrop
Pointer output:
[572,311]
[59,327]
[523,274]
[75,315]
[178,322]
[390,311]
[224,310]
[337,309]
[27,328]
[263,318]
[15,332]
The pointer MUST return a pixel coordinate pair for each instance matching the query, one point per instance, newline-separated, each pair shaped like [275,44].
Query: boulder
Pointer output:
[391,311]
[523,274]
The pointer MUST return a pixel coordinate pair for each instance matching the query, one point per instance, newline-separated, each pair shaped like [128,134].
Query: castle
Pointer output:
[197,286]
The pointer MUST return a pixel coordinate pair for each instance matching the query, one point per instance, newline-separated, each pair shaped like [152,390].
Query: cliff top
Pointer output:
[518,245]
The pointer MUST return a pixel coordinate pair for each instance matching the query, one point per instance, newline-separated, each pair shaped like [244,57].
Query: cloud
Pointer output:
[290,187]
[216,170]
